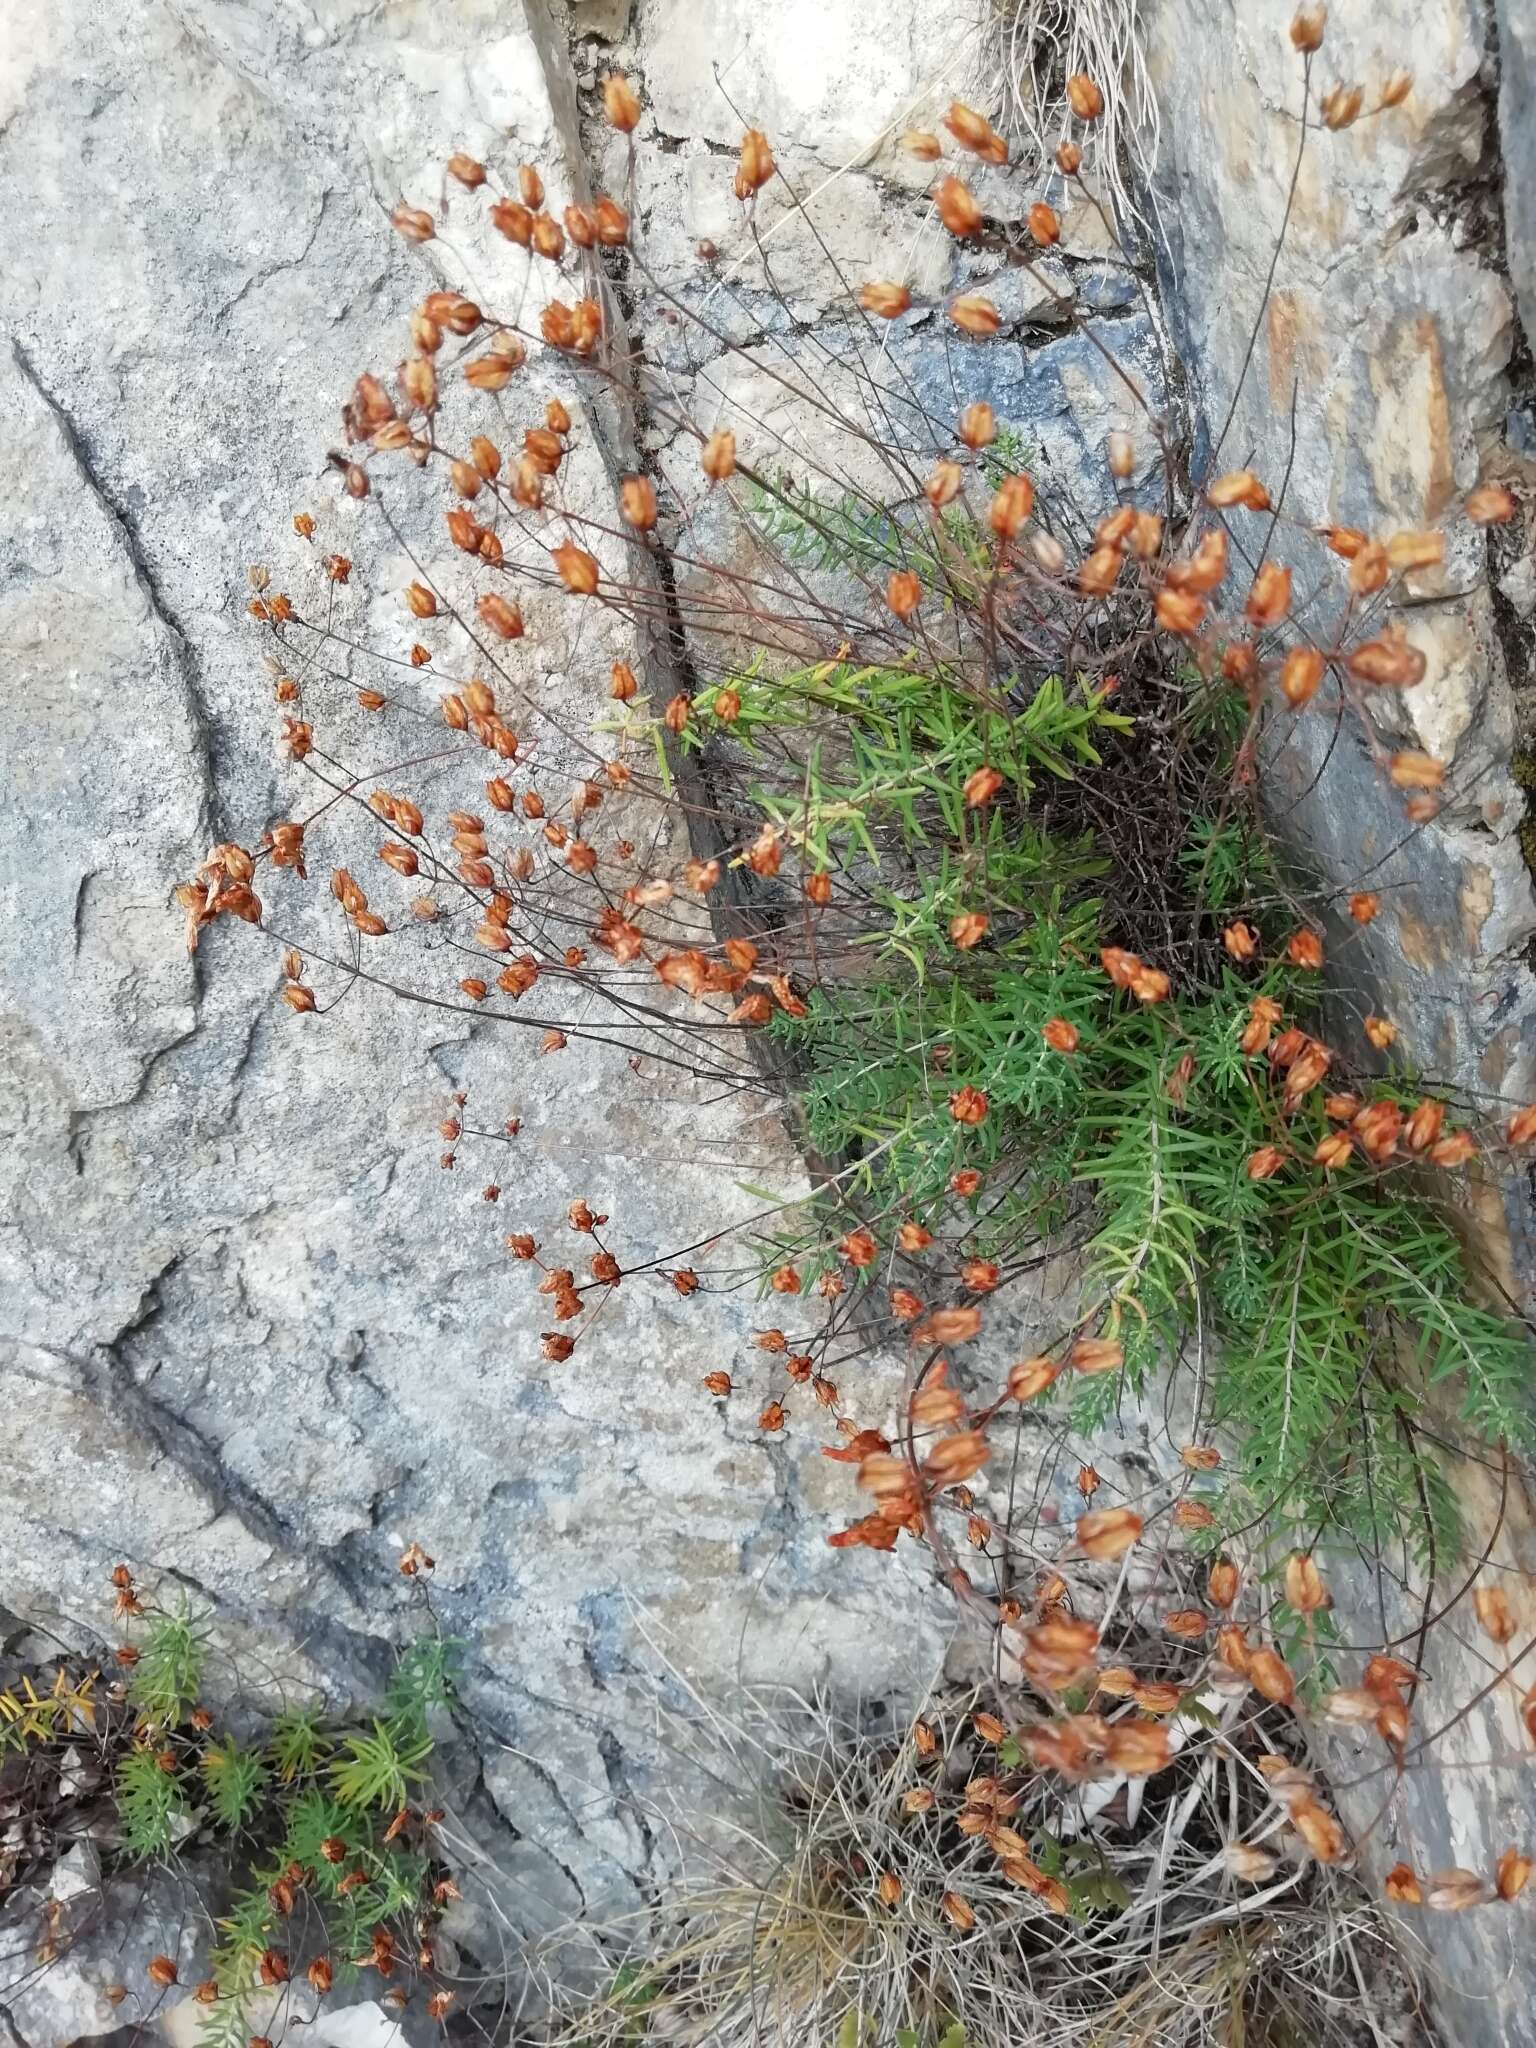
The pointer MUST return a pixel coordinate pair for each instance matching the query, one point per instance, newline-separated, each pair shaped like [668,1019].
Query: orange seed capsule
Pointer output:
[620,103]
[958,207]
[577,569]
[719,455]
[637,502]
[975,132]
[975,315]
[413,223]
[1011,507]
[978,425]
[1301,675]
[903,593]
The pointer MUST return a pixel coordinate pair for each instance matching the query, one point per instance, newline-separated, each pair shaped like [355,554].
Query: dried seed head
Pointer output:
[549,242]
[1319,1830]
[1424,1125]
[1179,611]
[1388,662]
[1012,507]
[1514,1874]
[975,315]
[1030,1377]
[637,502]
[1402,1886]
[958,207]
[1368,568]
[1352,1706]
[1266,1671]
[1304,1589]
[577,569]
[968,1105]
[413,223]
[943,485]
[1096,1354]
[978,425]
[1138,1748]
[1494,1617]
[1069,158]
[1413,770]
[620,103]
[923,144]
[1044,224]
[1270,598]
[489,373]
[903,592]
[1084,97]
[1222,1583]
[501,615]
[1340,106]
[1098,575]
[756,165]
[887,301]
[162,1972]
[719,455]
[513,221]
[1415,549]
[974,132]
[1307,26]
[1108,1533]
[612,222]
[1205,568]
[1453,1891]
[1488,505]
[1060,1035]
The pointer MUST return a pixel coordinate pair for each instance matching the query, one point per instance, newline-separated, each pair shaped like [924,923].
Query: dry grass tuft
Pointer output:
[838,1891]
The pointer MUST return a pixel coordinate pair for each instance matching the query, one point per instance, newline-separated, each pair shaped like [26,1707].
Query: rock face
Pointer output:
[1379,389]
[253,1338]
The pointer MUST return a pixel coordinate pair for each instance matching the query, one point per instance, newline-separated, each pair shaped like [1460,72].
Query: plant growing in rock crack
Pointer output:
[881,1886]
[971,773]
[334,1872]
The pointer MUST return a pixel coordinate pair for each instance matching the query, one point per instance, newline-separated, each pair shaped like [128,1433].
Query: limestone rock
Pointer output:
[1386,340]
[254,1335]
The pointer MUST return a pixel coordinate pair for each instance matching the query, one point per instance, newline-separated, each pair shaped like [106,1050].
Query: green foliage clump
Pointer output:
[319,1804]
[1334,1304]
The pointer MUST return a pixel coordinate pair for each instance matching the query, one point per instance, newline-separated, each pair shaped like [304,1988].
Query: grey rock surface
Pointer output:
[1379,391]
[252,1336]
